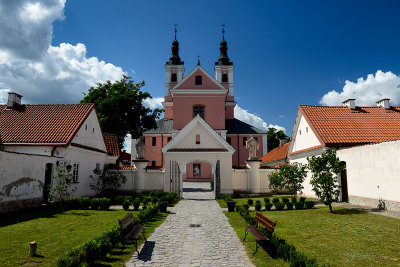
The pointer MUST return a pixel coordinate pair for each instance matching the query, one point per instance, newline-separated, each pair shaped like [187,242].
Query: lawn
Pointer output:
[343,238]
[55,233]
[241,201]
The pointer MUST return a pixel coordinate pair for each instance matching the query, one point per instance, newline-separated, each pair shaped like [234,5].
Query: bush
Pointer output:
[146,201]
[212,185]
[299,205]
[171,196]
[289,205]
[268,206]
[136,204]
[267,200]
[164,198]
[275,200]
[279,206]
[302,199]
[95,204]
[285,200]
[128,198]
[118,200]
[126,204]
[258,205]
[72,203]
[250,202]
[154,200]
[246,206]
[294,200]
[104,203]
[310,204]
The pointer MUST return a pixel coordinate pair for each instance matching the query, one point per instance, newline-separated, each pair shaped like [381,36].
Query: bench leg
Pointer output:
[136,246]
[144,234]
[245,234]
[256,248]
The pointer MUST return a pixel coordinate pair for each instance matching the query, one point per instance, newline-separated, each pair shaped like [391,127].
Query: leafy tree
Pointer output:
[324,176]
[289,177]
[273,136]
[106,180]
[64,188]
[120,108]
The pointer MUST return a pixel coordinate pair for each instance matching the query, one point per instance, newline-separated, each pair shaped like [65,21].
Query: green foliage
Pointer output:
[275,200]
[120,108]
[212,185]
[299,205]
[95,203]
[136,204]
[273,137]
[106,180]
[302,199]
[146,200]
[104,203]
[126,204]
[84,203]
[129,198]
[64,187]
[267,200]
[293,199]
[290,177]
[285,200]
[289,205]
[118,200]
[250,202]
[279,205]
[246,206]
[154,200]
[324,179]
[268,206]
[310,204]
[258,206]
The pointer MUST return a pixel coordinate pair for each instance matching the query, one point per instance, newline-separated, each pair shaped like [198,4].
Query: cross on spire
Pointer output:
[223,31]
[175,25]
[198,60]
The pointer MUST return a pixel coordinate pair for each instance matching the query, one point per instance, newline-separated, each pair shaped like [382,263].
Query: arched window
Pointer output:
[224,78]
[199,80]
[174,78]
[198,139]
[198,110]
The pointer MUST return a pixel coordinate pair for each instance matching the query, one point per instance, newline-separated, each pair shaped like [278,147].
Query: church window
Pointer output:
[244,141]
[197,139]
[153,141]
[86,127]
[198,110]
[174,78]
[224,78]
[93,130]
[198,80]
[196,170]
[300,132]
[228,139]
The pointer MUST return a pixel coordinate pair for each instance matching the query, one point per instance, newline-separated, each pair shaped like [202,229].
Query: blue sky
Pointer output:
[285,53]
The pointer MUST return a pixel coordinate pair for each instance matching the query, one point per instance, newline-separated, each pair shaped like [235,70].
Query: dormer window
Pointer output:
[174,78]
[224,78]
[198,80]
[198,110]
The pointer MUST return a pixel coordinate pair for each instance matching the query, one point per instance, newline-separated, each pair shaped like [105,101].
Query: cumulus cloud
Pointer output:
[252,119]
[154,102]
[367,91]
[127,143]
[32,67]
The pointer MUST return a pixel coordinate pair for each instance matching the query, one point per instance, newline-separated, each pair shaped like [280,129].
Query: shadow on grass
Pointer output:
[27,215]
[348,211]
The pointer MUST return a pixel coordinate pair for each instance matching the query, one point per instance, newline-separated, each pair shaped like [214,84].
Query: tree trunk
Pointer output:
[330,207]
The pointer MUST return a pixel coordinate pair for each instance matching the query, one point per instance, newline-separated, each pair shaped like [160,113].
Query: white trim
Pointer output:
[192,72]
[230,103]
[295,128]
[199,91]
[309,153]
[167,104]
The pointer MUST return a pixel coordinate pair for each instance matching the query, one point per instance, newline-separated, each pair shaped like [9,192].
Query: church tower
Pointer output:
[224,75]
[174,70]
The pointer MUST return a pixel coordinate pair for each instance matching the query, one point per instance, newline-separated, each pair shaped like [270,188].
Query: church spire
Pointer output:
[175,59]
[223,58]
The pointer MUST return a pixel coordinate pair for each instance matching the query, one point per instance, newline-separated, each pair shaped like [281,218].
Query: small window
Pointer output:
[174,78]
[169,139]
[198,110]
[306,129]
[93,130]
[86,127]
[244,141]
[153,163]
[300,132]
[153,141]
[196,170]
[198,80]
[224,78]
[75,173]
[198,139]
[228,139]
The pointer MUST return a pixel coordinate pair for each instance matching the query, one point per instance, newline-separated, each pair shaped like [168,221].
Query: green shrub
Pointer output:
[279,206]
[171,196]
[267,200]
[275,200]
[84,203]
[212,185]
[299,205]
[164,198]
[285,200]
[95,204]
[118,200]
[104,203]
[129,198]
[289,205]
[268,206]
[302,199]
[146,201]
[246,206]
[250,202]
[126,204]
[154,200]
[258,205]
[72,203]
[294,200]
[136,204]
[310,204]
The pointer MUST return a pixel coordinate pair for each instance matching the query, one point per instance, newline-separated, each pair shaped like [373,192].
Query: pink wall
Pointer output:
[241,154]
[214,109]
[153,153]
[190,82]
[206,171]
[229,113]
[168,113]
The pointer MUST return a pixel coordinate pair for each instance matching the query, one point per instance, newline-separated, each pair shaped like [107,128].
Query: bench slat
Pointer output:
[135,232]
[266,219]
[256,233]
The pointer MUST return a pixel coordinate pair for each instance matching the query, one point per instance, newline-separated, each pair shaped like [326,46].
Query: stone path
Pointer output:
[196,233]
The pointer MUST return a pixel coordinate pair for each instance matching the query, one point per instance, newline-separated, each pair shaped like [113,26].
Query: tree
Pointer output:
[106,180]
[324,180]
[120,108]
[289,177]
[273,136]
[64,189]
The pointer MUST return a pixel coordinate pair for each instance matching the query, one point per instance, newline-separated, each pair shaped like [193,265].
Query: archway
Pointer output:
[195,179]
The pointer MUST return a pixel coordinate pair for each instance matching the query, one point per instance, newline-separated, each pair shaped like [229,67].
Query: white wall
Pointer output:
[151,180]
[206,139]
[373,172]
[37,150]
[241,180]
[306,139]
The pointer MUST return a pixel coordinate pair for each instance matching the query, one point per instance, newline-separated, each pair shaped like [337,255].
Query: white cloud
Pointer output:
[368,91]
[252,119]
[32,67]
[4,95]
[127,143]
[154,102]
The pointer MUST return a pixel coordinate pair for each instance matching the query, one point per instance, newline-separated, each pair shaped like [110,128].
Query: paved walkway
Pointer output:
[196,233]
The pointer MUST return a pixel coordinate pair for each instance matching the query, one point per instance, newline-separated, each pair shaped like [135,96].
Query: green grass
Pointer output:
[343,238]
[55,233]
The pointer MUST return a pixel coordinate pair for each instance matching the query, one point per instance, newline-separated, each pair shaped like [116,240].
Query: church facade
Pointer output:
[199,124]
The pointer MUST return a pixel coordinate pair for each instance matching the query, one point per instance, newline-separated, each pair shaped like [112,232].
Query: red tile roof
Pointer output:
[275,154]
[111,142]
[42,124]
[127,167]
[197,150]
[343,126]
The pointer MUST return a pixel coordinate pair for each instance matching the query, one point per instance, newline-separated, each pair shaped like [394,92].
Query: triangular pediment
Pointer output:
[189,82]
[198,136]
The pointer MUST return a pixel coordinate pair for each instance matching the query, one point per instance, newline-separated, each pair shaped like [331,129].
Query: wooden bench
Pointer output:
[259,236]
[129,231]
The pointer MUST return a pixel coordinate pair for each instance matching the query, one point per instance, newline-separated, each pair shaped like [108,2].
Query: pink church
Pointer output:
[212,98]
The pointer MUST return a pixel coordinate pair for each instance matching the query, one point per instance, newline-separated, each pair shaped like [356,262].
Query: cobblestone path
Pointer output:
[196,233]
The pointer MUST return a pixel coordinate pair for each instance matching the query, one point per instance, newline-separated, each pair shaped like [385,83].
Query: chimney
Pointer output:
[384,103]
[14,100]
[282,141]
[351,103]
